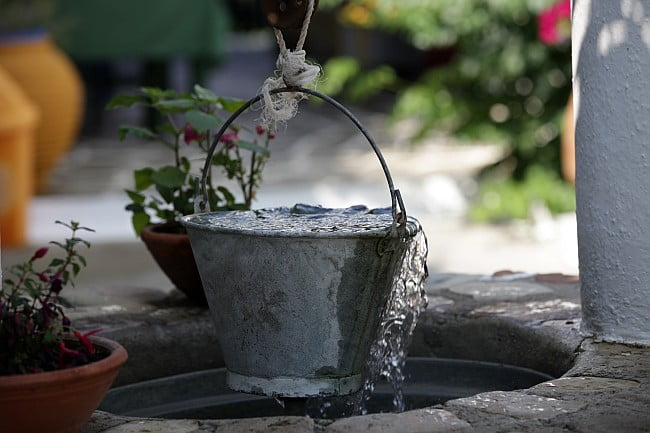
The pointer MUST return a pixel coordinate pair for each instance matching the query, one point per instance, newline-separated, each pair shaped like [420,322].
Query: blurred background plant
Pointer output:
[506,79]
[16,15]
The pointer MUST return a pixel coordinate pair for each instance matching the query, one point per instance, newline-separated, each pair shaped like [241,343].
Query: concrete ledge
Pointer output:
[603,388]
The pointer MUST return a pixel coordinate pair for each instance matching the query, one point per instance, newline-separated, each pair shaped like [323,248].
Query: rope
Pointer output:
[292,71]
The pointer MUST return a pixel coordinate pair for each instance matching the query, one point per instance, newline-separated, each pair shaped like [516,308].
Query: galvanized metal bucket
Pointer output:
[297,311]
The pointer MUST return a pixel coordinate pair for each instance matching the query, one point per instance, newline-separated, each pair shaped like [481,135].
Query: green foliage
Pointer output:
[16,15]
[502,85]
[344,74]
[191,121]
[33,325]
[505,199]
[433,23]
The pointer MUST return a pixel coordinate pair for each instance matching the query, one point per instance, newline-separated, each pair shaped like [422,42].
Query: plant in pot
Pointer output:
[52,376]
[161,195]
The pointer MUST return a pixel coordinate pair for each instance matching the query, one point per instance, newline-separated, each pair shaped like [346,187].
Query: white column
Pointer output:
[611,64]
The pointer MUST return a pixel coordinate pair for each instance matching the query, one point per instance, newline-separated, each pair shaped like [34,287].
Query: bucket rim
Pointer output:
[408,230]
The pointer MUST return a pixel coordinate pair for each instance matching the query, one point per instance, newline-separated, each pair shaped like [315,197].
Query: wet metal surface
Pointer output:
[271,286]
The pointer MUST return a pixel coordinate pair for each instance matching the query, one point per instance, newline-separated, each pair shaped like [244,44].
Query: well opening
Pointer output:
[449,358]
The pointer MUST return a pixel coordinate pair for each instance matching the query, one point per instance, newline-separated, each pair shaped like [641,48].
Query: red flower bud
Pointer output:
[39,253]
[260,129]
[65,351]
[271,134]
[191,134]
[83,339]
[229,138]
[56,285]
[43,277]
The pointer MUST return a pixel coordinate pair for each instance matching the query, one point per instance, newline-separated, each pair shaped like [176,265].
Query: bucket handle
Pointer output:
[395,195]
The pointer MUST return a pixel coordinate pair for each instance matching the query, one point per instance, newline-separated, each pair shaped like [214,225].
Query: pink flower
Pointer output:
[83,339]
[65,351]
[56,285]
[39,253]
[192,134]
[229,138]
[554,23]
[64,355]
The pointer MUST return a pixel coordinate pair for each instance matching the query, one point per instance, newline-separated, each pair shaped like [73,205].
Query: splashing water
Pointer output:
[407,300]
[299,221]
[388,352]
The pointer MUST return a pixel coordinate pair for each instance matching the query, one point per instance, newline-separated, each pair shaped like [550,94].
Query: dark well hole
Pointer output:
[204,394]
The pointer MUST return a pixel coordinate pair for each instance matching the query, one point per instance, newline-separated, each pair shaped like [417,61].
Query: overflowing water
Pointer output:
[388,352]
[407,300]
[299,220]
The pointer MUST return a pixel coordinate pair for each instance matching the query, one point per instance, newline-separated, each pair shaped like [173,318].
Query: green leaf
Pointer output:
[29,284]
[339,71]
[134,207]
[202,121]
[205,94]
[175,104]
[126,101]
[157,93]
[252,147]
[231,104]
[135,196]
[167,215]
[140,221]
[169,177]
[227,195]
[166,193]
[166,128]
[58,244]
[136,131]
[75,269]
[49,338]
[143,178]
[185,163]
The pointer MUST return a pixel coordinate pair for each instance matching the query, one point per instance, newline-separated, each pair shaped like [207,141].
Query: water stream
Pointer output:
[388,352]
[407,300]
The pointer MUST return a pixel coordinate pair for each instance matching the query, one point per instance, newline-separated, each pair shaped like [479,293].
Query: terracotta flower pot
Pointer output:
[173,253]
[58,401]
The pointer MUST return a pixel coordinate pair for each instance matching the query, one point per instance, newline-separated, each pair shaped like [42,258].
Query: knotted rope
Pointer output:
[292,71]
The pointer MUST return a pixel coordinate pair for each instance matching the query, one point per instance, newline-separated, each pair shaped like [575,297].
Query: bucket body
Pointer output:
[295,312]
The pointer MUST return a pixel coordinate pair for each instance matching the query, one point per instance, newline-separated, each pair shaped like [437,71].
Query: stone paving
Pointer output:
[515,318]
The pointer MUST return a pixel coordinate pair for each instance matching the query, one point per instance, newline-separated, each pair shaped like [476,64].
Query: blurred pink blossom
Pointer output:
[192,134]
[554,23]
